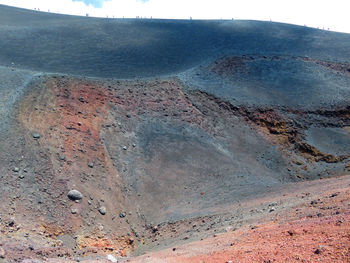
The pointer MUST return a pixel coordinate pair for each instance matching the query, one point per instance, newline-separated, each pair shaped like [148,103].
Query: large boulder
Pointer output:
[74,195]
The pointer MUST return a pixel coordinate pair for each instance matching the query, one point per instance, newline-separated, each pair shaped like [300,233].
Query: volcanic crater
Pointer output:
[187,141]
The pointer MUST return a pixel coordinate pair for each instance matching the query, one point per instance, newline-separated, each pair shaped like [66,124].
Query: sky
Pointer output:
[332,14]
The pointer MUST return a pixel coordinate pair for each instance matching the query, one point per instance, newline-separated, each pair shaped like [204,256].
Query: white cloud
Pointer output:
[315,13]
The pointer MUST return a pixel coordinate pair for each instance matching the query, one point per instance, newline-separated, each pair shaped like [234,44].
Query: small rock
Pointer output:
[291,232]
[122,215]
[62,157]
[36,135]
[11,222]
[15,169]
[74,195]
[347,166]
[102,210]
[125,148]
[174,248]
[21,176]
[111,258]
[320,249]
[154,229]
[91,165]
[74,211]
[333,195]
[272,209]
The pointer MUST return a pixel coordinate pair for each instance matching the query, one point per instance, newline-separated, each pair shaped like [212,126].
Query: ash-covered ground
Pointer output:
[171,131]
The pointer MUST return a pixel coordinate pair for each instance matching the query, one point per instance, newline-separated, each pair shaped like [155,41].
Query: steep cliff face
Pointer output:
[254,110]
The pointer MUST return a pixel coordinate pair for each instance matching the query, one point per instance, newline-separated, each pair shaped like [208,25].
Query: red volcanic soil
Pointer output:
[316,230]
[305,240]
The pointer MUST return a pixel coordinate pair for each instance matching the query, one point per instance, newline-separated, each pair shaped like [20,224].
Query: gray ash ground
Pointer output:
[168,159]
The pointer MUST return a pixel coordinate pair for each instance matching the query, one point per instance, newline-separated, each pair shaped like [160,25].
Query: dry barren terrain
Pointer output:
[128,140]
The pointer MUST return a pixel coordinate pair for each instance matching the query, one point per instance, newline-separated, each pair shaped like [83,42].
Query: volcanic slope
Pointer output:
[165,127]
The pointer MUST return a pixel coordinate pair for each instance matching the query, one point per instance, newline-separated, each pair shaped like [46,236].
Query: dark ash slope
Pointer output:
[128,48]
